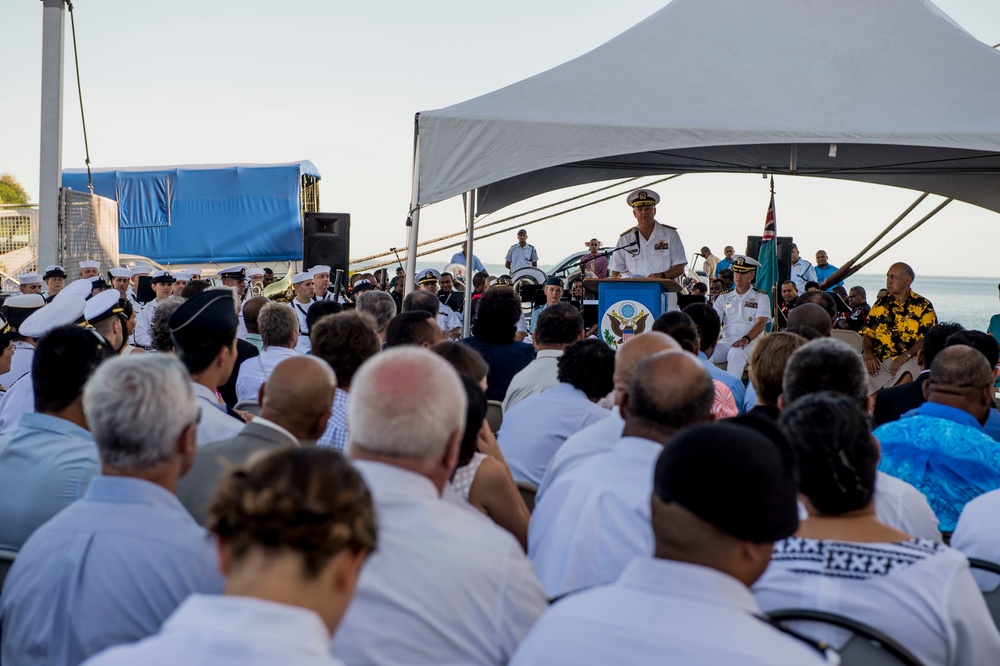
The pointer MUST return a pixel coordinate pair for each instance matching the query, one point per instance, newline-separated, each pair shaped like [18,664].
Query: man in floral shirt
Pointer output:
[895,329]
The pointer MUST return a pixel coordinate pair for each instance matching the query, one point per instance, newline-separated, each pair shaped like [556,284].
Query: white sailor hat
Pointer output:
[640,198]
[302,277]
[90,264]
[120,273]
[29,278]
[182,276]
[320,268]
[744,264]
[142,270]
[17,308]
[106,304]
[76,290]
[195,271]
[255,272]
[59,312]
[54,270]
[237,272]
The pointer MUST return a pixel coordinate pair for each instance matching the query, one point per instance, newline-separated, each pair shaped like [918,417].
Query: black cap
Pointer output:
[203,318]
[554,281]
[162,277]
[54,271]
[732,477]
[362,285]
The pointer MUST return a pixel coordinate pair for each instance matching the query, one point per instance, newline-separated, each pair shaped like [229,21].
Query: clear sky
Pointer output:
[338,83]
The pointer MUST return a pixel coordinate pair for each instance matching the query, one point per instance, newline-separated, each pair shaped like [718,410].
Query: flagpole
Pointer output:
[775,286]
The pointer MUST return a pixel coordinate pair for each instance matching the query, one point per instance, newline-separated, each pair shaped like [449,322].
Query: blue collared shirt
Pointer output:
[45,465]
[107,570]
[945,453]
[732,382]
[823,272]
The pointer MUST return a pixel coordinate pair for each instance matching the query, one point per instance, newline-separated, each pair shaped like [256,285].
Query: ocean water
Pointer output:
[968,301]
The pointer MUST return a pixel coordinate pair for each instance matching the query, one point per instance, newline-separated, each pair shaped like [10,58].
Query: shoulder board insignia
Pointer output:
[730,290]
[667,226]
[760,291]
[627,231]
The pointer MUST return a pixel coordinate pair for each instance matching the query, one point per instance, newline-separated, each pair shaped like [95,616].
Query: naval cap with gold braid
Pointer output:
[641,198]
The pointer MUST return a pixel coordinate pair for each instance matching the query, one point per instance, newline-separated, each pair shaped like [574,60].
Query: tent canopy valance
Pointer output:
[890,92]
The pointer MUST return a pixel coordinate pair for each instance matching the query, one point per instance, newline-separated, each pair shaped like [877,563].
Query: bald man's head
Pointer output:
[961,378]
[668,391]
[298,396]
[635,350]
[812,315]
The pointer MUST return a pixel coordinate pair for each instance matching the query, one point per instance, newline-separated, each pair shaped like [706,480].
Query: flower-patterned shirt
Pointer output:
[895,327]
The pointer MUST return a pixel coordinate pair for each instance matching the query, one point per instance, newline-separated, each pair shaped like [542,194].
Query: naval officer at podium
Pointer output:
[649,249]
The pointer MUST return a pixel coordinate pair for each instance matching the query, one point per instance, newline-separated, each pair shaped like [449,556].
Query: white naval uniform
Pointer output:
[447,319]
[218,629]
[445,586]
[301,309]
[662,612]
[144,325]
[801,272]
[20,398]
[739,313]
[328,296]
[20,363]
[661,252]
[215,423]
[919,592]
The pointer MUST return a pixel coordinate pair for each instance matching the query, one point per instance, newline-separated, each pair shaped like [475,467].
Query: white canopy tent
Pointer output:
[891,92]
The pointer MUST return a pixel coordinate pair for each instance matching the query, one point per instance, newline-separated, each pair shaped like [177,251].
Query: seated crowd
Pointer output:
[239,497]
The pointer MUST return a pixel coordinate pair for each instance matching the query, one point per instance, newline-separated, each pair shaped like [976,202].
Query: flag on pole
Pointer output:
[767,274]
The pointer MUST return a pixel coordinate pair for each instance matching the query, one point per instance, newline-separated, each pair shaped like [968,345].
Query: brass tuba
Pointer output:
[280,291]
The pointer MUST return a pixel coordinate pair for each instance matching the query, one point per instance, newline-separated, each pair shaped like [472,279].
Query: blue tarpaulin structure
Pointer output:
[205,213]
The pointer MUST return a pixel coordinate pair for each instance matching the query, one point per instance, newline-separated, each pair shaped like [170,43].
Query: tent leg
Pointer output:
[50,162]
[411,252]
[470,220]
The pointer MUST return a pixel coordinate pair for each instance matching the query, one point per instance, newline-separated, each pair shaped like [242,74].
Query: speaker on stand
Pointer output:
[326,240]
[784,254]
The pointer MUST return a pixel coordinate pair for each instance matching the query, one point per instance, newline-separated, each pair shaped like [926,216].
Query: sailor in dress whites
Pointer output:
[15,310]
[256,277]
[163,282]
[302,283]
[236,277]
[30,283]
[447,320]
[649,249]
[89,269]
[321,283]
[744,313]
[55,280]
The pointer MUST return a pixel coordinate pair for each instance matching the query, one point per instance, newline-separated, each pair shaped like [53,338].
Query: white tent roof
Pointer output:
[741,86]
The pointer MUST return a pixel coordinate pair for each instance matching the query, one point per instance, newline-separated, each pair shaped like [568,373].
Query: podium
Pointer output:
[629,307]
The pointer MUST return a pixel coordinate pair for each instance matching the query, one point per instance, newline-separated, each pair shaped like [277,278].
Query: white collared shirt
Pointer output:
[918,592]
[538,376]
[595,518]
[444,586]
[739,312]
[215,423]
[255,370]
[235,630]
[661,612]
[899,504]
[659,253]
[577,449]
[537,426]
[20,363]
[19,399]
[144,324]
[447,319]
[978,535]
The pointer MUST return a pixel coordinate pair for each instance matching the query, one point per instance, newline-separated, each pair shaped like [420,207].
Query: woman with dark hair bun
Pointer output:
[294,529]
[843,560]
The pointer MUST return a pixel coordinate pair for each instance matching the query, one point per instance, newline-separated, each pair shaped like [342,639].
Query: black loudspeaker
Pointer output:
[784,254]
[326,240]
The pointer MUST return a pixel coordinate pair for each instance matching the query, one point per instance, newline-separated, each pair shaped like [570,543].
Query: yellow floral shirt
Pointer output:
[895,327]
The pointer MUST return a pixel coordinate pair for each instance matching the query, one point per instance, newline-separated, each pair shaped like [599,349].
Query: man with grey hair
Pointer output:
[407,417]
[112,566]
[595,518]
[379,305]
[279,328]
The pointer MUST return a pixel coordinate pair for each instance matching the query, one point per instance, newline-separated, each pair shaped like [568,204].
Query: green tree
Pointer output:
[11,191]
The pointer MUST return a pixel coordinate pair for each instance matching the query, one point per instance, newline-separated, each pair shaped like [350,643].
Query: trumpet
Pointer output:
[256,289]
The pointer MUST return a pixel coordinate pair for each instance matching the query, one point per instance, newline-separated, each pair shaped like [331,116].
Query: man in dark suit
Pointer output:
[891,403]
[295,405]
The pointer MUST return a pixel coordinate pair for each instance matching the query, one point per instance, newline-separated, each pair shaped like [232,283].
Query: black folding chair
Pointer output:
[867,647]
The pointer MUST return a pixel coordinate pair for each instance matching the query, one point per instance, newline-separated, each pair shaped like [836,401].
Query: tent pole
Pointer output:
[470,221]
[50,161]
[413,219]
